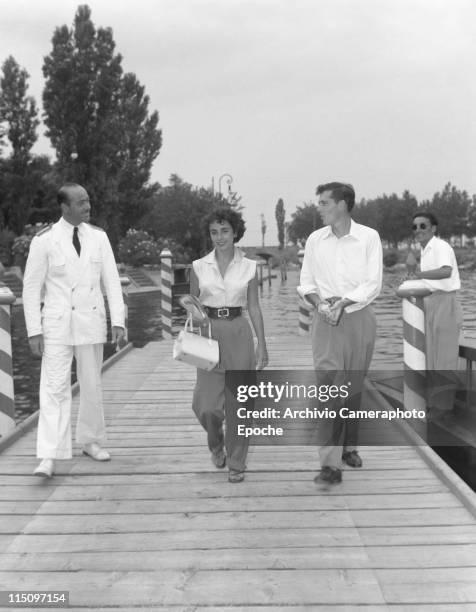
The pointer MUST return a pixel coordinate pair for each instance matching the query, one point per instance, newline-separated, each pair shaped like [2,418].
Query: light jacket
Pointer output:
[69,286]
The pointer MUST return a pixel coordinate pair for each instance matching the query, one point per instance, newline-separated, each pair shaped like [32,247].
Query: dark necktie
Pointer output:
[76,243]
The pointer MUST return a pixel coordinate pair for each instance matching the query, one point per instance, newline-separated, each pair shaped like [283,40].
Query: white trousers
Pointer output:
[54,425]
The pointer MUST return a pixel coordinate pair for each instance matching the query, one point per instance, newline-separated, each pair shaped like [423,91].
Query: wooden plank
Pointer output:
[345,557]
[189,462]
[230,504]
[203,489]
[185,540]
[247,539]
[459,607]
[219,588]
[216,521]
[429,585]
[185,521]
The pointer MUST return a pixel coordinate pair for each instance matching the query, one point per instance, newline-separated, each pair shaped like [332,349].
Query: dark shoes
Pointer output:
[352,458]
[219,459]
[236,476]
[329,475]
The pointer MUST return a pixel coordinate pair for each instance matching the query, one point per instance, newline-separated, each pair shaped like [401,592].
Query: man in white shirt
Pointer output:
[443,315]
[341,275]
[65,316]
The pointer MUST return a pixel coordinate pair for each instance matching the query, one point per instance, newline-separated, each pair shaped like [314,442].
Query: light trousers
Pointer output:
[54,439]
[443,321]
[342,354]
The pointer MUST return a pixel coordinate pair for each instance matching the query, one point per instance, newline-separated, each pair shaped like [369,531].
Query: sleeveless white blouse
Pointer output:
[218,291]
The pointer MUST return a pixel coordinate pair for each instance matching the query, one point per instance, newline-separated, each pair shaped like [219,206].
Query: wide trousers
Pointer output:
[443,321]
[54,439]
[213,403]
[342,354]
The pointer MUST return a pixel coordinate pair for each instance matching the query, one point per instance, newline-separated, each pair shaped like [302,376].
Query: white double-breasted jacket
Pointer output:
[69,287]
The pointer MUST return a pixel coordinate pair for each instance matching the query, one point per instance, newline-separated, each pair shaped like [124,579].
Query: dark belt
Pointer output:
[227,312]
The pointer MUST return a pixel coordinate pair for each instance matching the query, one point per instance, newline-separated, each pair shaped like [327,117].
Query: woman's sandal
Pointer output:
[235,476]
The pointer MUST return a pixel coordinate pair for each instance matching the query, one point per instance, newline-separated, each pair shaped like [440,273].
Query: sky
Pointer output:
[283,95]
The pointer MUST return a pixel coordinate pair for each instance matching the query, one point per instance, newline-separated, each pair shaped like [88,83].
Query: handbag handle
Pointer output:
[189,322]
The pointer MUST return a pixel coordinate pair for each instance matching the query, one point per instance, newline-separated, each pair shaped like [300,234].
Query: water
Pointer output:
[280,301]
[144,326]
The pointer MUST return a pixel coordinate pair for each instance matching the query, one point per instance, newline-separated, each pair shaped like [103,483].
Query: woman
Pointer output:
[226,282]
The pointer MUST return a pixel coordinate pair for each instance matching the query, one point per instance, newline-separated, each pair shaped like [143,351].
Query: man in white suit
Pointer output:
[65,267]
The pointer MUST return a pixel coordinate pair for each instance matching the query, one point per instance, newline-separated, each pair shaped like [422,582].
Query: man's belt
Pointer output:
[227,312]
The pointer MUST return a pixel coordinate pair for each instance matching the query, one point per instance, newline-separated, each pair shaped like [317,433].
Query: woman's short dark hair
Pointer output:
[225,213]
[339,191]
[426,214]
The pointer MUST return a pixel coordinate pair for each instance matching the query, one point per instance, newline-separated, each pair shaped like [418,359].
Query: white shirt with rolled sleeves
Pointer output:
[217,291]
[436,254]
[70,287]
[348,267]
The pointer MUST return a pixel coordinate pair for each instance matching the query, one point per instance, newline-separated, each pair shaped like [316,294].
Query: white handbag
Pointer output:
[195,349]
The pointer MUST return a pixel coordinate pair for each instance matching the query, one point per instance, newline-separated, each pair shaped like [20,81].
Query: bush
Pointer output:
[21,244]
[390,258]
[137,248]
[180,254]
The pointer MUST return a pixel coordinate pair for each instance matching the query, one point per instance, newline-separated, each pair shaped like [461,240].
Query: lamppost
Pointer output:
[228,179]
[263,228]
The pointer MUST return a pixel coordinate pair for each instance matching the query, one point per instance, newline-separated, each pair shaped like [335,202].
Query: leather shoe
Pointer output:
[352,458]
[329,475]
[97,453]
[219,459]
[236,476]
[45,469]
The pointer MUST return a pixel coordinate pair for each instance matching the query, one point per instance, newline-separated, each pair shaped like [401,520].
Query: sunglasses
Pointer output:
[416,226]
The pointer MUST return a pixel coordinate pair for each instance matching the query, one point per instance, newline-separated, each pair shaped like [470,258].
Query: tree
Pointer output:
[451,208]
[471,227]
[21,172]
[99,123]
[394,218]
[280,218]
[17,110]
[305,220]
[177,211]
[367,212]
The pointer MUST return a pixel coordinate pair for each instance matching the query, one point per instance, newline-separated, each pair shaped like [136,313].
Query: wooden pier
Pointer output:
[159,528]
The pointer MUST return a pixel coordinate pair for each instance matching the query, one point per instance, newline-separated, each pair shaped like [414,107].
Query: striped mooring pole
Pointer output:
[305,309]
[305,317]
[7,397]
[414,344]
[125,283]
[166,280]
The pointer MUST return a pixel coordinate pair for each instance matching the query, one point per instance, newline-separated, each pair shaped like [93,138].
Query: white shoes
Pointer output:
[45,469]
[97,453]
